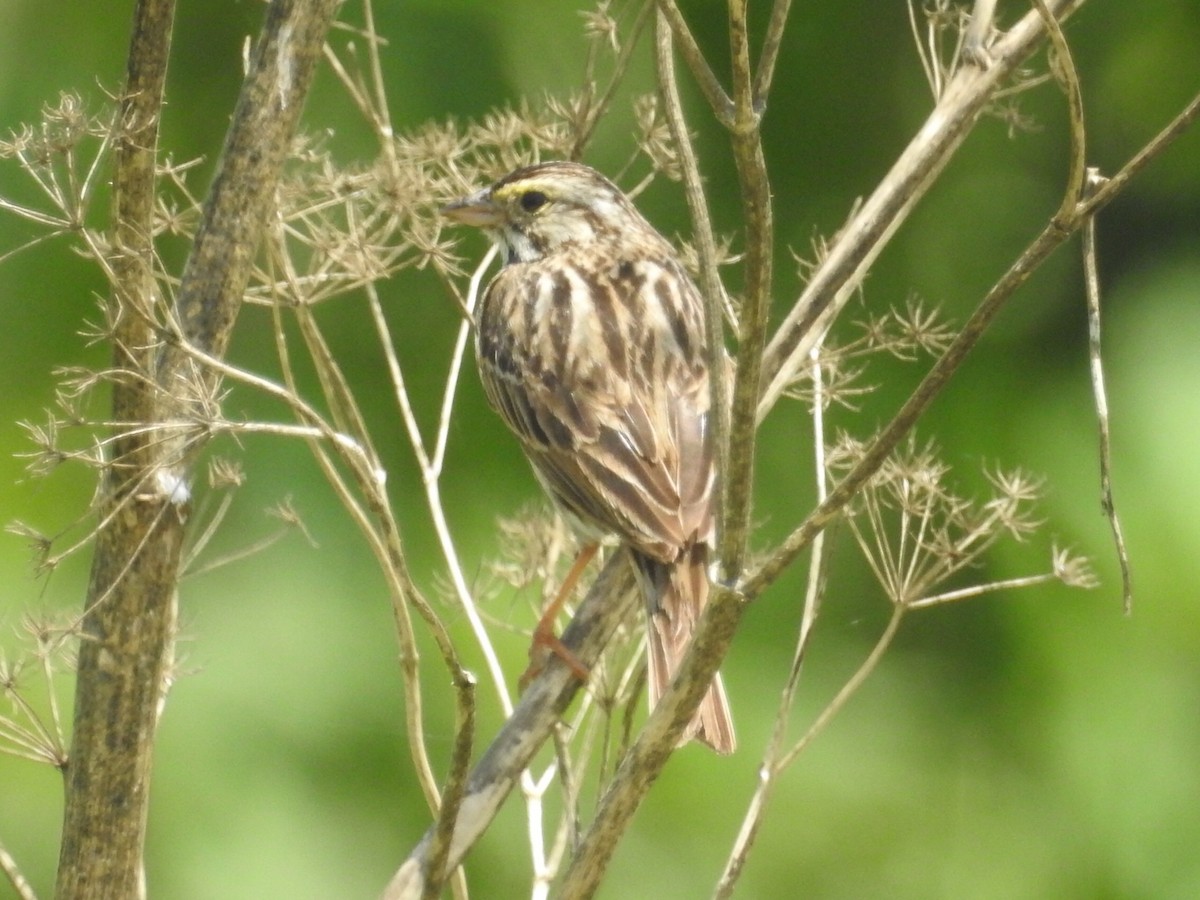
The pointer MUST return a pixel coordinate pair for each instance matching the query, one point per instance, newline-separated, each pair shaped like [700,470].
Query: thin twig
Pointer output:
[718,100]
[979,29]
[609,604]
[431,465]
[769,56]
[1091,273]
[24,890]
[848,689]
[1063,65]
[768,770]
[357,461]
[1151,151]
[597,110]
[928,64]
[978,590]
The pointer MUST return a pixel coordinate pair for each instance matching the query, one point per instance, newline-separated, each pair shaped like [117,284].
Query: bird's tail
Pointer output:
[675,594]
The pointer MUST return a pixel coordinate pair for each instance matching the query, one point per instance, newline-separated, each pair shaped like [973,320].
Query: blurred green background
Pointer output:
[1034,744]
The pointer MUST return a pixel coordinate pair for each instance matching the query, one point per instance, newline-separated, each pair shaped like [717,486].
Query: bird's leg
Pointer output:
[544,639]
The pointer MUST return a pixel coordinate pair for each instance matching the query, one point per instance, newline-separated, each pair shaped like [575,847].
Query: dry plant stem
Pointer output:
[1118,182]
[235,213]
[431,466]
[377,111]
[367,476]
[384,537]
[364,467]
[597,108]
[1063,65]
[431,469]
[22,889]
[1061,227]
[610,603]
[452,795]
[381,531]
[980,26]
[756,307]
[127,639]
[126,646]
[746,140]
[31,741]
[1083,184]
[1100,394]
[769,55]
[545,867]
[1008,584]
[706,245]
[848,689]
[840,273]
[929,63]
[768,770]
[710,86]
[645,759]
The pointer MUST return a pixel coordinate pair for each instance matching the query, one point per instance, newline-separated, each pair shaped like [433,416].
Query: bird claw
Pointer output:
[546,644]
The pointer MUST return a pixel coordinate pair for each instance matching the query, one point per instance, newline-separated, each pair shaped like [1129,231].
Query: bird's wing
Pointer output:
[620,436]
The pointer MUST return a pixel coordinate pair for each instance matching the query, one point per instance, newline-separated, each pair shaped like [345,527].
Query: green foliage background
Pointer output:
[1035,744]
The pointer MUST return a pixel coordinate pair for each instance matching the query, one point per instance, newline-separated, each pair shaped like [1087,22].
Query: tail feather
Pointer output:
[675,595]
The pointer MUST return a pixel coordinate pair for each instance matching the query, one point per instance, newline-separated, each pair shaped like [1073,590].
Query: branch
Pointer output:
[23,890]
[710,86]
[838,276]
[770,54]
[1055,233]
[768,770]
[1091,278]
[127,646]
[129,622]
[644,761]
[610,603]
[755,189]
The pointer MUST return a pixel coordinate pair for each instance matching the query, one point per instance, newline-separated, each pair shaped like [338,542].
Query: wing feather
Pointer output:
[623,445]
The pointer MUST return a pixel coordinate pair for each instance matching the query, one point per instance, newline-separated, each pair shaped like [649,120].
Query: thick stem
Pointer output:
[129,622]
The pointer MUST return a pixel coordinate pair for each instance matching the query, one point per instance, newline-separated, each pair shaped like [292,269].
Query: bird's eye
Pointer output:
[532,201]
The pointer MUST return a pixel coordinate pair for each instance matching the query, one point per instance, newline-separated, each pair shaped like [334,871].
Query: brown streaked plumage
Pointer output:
[590,343]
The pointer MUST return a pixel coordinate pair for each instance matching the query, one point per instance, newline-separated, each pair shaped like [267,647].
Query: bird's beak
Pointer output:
[476,209]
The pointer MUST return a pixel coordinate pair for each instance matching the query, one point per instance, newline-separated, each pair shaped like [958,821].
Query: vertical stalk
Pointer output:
[129,623]
[755,188]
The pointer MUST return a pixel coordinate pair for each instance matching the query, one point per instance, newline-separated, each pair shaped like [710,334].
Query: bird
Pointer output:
[591,346]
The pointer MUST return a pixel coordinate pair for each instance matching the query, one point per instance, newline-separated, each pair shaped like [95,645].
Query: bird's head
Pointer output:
[538,210]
